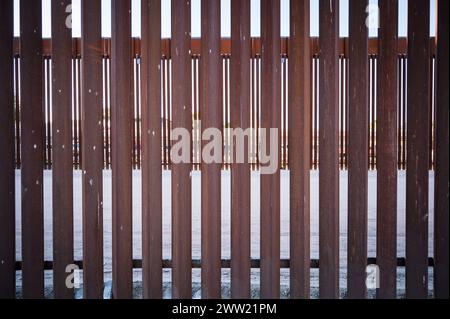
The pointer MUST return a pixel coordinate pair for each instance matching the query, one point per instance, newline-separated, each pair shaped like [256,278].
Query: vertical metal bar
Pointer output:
[62,164]
[45,111]
[122,117]
[196,106]
[316,112]
[151,150]
[300,147]
[74,113]
[358,162]
[270,119]
[200,106]
[48,135]
[103,126]
[341,111]
[417,148]
[211,172]
[404,111]
[370,114]
[401,77]
[387,145]
[17,111]
[284,112]
[108,110]
[240,172]
[373,113]
[133,118]
[430,116]
[369,148]
[79,119]
[329,144]
[77,113]
[164,113]
[228,108]
[169,116]
[105,115]
[7,186]
[92,183]
[138,114]
[181,181]
[33,134]
[347,111]
[258,109]
[165,105]
[310,101]
[252,115]
[194,109]
[226,121]
[399,107]
[441,188]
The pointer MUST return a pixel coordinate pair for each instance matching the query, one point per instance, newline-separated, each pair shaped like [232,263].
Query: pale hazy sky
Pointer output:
[225,20]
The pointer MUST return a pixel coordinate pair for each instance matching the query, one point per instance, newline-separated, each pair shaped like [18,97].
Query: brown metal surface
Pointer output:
[62,163]
[387,145]
[92,183]
[417,150]
[17,113]
[270,119]
[106,122]
[311,113]
[284,126]
[431,107]
[7,185]
[257,109]
[328,148]
[316,112]
[211,91]
[76,115]
[195,110]
[79,117]
[225,47]
[151,150]
[441,200]
[48,114]
[403,112]
[240,172]
[181,179]
[135,118]
[165,118]
[345,128]
[358,144]
[299,148]
[252,108]
[121,128]
[341,111]
[32,131]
